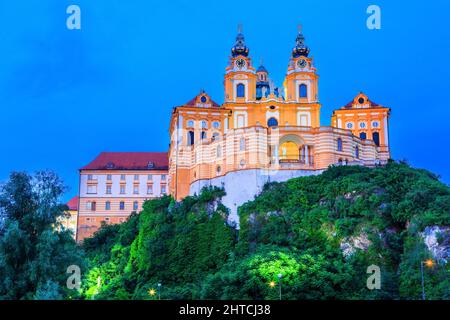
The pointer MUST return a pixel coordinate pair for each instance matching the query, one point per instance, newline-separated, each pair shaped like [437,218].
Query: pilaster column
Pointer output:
[306,154]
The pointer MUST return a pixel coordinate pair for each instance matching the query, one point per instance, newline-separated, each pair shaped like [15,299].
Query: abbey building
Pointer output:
[260,133]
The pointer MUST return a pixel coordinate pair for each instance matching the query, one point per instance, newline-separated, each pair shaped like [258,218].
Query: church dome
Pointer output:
[261,68]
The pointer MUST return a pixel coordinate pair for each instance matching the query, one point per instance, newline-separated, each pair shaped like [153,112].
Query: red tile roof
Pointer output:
[73,203]
[129,161]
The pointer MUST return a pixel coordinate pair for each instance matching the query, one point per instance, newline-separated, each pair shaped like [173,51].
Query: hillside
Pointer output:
[320,232]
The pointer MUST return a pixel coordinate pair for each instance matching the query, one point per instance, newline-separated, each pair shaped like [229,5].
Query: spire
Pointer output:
[239,47]
[300,48]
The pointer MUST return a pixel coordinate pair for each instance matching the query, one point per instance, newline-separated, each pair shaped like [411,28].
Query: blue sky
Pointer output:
[66,95]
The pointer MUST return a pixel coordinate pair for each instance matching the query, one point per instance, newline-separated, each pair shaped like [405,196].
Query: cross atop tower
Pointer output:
[240,28]
[299,28]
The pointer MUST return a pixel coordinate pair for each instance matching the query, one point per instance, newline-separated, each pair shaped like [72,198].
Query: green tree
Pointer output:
[34,256]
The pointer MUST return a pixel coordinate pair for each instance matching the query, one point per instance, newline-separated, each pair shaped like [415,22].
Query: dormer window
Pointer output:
[110,165]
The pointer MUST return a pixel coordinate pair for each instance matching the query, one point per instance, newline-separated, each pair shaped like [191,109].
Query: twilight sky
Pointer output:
[66,95]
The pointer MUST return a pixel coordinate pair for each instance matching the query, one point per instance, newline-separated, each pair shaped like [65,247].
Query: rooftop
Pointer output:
[73,203]
[129,161]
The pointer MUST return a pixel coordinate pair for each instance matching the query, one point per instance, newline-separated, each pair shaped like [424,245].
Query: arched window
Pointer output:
[357,152]
[204,124]
[242,144]
[363,135]
[190,138]
[303,91]
[240,90]
[376,138]
[339,144]
[272,122]
[289,151]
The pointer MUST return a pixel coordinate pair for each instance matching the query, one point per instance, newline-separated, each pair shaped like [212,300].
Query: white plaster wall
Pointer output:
[116,182]
[243,185]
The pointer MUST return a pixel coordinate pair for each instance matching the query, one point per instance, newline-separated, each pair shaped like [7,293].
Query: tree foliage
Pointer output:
[298,229]
[34,256]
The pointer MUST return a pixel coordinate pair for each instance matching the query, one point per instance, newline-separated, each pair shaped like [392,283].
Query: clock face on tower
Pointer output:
[240,63]
[302,63]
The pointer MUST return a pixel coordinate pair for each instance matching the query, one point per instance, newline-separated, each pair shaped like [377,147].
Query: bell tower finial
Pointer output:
[239,47]
[300,48]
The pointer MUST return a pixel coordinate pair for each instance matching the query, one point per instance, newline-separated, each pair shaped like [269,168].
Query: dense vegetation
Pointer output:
[34,256]
[320,233]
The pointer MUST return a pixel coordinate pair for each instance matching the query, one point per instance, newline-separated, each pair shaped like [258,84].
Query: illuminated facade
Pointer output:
[115,184]
[265,133]
[69,220]
[261,133]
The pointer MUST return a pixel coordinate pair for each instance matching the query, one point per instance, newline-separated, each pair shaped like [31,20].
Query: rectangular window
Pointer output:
[135,205]
[163,189]
[108,189]
[136,177]
[163,177]
[149,189]
[136,189]
[122,177]
[92,189]
[108,205]
[240,121]
[122,205]
[150,177]
[88,205]
[109,177]
[122,189]
[93,206]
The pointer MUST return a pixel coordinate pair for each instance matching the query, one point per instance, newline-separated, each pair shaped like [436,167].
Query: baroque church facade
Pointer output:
[263,133]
